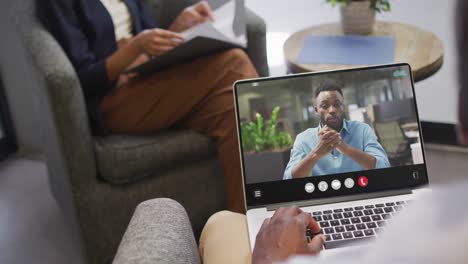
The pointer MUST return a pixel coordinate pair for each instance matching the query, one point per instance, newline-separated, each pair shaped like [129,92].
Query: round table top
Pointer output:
[421,49]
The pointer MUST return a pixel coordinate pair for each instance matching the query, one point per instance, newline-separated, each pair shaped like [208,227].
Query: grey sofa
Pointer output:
[99,181]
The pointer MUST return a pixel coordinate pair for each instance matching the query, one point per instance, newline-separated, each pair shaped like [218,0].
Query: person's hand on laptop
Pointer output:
[328,140]
[191,16]
[284,235]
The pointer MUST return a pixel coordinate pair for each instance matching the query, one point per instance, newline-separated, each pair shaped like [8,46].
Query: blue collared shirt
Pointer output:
[356,134]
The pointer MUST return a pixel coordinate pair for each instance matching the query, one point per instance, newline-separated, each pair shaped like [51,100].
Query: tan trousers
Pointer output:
[225,239]
[196,95]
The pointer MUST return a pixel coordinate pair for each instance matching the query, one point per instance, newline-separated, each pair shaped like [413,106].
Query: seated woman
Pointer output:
[103,38]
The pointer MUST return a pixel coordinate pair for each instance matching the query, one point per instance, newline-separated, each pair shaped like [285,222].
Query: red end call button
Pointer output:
[363,181]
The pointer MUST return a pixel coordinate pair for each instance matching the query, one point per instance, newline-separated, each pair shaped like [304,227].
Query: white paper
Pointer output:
[221,28]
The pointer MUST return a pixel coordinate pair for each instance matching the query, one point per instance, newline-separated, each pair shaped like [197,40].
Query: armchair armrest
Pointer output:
[256,39]
[159,232]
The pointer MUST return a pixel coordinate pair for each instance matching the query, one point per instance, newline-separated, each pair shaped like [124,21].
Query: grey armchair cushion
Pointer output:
[159,232]
[125,159]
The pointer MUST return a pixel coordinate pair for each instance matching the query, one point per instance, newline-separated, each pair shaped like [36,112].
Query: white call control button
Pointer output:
[309,187]
[336,185]
[349,183]
[323,186]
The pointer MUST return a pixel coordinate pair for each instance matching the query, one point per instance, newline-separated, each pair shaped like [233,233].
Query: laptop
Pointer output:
[353,195]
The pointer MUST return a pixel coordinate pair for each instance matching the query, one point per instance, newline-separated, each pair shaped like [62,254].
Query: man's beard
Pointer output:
[335,125]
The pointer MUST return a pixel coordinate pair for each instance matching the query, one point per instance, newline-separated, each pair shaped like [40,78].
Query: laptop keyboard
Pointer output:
[344,226]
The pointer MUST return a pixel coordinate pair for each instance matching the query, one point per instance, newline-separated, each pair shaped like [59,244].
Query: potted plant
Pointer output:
[358,16]
[266,149]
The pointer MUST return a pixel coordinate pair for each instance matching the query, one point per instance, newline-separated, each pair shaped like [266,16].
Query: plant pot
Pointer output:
[266,166]
[357,18]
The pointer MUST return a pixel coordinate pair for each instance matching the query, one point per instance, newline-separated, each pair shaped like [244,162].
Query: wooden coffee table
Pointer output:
[421,49]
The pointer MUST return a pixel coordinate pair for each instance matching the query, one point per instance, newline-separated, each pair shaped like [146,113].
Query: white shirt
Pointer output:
[433,229]
[121,18]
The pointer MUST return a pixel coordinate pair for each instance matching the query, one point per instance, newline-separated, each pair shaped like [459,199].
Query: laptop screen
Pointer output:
[327,134]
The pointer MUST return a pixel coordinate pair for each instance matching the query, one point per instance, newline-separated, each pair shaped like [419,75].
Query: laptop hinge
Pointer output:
[340,199]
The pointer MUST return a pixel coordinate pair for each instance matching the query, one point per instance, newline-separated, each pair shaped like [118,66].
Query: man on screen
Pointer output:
[336,145]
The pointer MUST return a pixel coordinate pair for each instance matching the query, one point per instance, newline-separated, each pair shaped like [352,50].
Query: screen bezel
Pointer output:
[286,191]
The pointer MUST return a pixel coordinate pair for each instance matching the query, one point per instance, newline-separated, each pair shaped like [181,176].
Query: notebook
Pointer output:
[228,30]
[347,50]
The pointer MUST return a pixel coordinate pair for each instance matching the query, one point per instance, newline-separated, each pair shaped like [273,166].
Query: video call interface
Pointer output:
[333,123]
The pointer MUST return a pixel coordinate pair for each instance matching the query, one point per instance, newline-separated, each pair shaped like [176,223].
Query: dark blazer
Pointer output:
[86,32]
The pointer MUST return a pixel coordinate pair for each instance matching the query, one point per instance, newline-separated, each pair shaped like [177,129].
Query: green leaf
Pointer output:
[259,124]
[377,5]
[387,7]
[264,137]
[380,5]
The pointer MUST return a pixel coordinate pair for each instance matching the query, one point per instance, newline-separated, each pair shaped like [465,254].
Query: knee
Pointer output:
[224,219]
[220,226]
[242,63]
[233,56]
[235,60]
[223,216]
[238,54]
[221,219]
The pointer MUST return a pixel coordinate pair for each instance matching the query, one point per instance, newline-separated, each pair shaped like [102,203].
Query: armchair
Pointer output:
[169,238]
[165,239]
[98,181]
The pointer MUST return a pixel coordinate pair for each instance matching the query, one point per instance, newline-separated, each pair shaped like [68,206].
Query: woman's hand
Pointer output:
[191,16]
[157,41]
[124,78]
[152,42]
